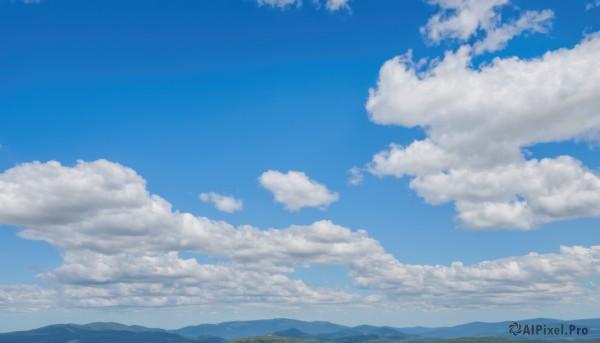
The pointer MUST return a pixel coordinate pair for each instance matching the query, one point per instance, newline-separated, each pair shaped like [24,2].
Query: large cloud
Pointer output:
[121,246]
[478,121]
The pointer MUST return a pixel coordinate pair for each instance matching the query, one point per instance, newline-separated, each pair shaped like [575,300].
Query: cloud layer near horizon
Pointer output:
[121,247]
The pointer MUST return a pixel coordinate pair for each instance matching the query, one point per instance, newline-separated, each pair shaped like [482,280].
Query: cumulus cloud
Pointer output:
[223,203]
[520,195]
[121,244]
[478,121]
[296,190]
[121,247]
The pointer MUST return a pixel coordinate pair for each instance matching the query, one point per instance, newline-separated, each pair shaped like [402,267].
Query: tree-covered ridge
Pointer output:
[277,339]
[294,331]
[100,333]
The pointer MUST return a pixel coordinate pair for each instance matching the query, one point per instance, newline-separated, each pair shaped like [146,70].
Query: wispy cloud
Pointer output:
[592,5]
[223,203]
[278,3]
[463,19]
[355,176]
[531,21]
[335,5]
[331,5]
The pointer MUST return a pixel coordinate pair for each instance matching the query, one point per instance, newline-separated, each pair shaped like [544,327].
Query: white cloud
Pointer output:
[278,3]
[520,195]
[530,21]
[592,5]
[99,280]
[26,298]
[120,247]
[335,5]
[356,176]
[331,5]
[120,244]
[296,190]
[419,158]
[479,121]
[463,19]
[223,203]
[513,281]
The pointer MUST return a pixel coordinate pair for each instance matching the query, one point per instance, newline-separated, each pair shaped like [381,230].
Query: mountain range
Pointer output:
[290,330]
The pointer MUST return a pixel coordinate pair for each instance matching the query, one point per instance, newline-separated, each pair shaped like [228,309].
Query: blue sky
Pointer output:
[266,106]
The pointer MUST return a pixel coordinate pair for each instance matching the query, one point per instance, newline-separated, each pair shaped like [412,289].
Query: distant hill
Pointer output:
[276,339]
[380,331]
[240,329]
[339,333]
[361,333]
[414,330]
[296,331]
[292,333]
[500,329]
[98,326]
[99,333]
